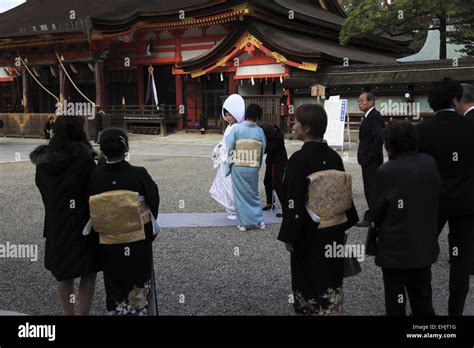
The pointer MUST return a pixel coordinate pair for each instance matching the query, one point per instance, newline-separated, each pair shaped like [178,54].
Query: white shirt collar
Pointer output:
[442,110]
[114,162]
[469,110]
[368,111]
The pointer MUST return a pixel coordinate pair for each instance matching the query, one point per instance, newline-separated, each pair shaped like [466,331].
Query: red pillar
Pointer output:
[232,84]
[14,93]
[288,104]
[140,85]
[288,97]
[100,98]
[179,100]
[27,107]
[62,84]
[179,79]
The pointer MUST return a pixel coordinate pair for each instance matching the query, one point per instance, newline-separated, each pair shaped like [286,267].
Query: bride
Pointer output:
[233,111]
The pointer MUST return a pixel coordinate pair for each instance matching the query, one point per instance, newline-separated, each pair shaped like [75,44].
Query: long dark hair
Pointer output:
[68,130]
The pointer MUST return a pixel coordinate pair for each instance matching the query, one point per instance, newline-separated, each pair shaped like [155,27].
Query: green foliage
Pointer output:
[408,17]
[463,22]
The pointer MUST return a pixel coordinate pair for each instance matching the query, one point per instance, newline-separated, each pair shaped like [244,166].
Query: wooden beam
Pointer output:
[27,105]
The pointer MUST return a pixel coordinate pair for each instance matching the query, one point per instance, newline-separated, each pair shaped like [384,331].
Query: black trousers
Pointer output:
[415,282]
[368,177]
[461,255]
[273,179]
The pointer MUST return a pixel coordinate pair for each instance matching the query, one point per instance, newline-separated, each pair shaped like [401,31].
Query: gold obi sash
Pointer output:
[119,216]
[329,197]
[247,153]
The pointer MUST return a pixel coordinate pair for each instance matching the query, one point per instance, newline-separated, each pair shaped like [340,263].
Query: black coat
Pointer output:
[47,130]
[470,115]
[275,149]
[405,209]
[370,138]
[62,176]
[98,122]
[449,139]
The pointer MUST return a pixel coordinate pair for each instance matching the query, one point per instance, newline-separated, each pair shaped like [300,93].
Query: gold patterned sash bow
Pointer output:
[247,153]
[329,197]
[119,216]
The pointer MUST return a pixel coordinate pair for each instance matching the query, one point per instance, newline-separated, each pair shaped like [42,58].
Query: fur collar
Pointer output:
[47,154]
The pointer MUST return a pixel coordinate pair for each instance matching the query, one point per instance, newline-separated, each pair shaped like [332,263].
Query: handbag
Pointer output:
[351,265]
[371,241]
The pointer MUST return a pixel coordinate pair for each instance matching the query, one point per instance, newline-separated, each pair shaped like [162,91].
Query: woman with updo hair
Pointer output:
[123,201]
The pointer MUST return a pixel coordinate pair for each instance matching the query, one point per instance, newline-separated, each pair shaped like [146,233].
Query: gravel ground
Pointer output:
[218,270]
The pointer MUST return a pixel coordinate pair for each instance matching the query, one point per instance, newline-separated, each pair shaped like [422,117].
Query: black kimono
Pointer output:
[275,162]
[48,127]
[62,176]
[128,268]
[316,279]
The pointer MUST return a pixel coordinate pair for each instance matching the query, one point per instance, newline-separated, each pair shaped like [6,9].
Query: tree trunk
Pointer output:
[443,35]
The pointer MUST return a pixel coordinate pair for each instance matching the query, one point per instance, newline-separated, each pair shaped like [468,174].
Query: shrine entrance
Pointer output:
[204,102]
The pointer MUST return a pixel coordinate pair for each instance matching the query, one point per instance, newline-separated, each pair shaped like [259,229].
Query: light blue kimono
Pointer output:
[245,179]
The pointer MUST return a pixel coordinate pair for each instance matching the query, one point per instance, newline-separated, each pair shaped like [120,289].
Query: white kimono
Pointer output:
[221,189]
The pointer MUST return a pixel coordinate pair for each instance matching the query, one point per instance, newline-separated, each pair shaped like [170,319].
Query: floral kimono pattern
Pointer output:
[328,303]
[136,303]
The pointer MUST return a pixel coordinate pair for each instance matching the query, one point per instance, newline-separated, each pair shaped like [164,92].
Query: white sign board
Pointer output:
[336,110]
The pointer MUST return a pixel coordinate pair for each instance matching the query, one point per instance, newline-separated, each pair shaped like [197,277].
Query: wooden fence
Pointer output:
[24,124]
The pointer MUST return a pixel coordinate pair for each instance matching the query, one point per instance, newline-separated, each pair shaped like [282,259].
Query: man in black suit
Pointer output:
[406,211]
[370,152]
[449,138]
[465,106]
[99,127]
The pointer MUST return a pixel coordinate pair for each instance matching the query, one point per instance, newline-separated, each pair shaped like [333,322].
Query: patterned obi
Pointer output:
[119,216]
[248,153]
[329,197]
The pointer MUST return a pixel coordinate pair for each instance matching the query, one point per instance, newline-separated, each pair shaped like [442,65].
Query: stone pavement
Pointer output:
[178,220]
[218,270]
[174,145]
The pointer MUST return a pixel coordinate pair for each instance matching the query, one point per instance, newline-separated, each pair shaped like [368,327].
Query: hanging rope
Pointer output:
[37,81]
[72,82]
